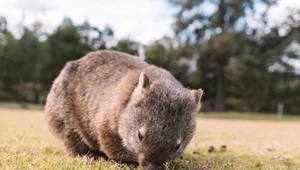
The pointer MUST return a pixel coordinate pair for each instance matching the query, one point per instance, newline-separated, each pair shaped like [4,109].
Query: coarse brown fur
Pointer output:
[113,104]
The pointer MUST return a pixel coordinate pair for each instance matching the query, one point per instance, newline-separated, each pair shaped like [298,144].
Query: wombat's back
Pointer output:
[103,65]
[104,70]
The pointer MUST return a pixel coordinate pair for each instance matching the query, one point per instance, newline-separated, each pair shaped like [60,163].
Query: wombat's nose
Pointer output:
[141,160]
[147,165]
[154,167]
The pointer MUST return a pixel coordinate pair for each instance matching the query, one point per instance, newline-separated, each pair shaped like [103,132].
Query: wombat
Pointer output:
[116,105]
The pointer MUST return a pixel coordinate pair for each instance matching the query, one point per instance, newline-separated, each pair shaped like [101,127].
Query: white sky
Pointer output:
[141,20]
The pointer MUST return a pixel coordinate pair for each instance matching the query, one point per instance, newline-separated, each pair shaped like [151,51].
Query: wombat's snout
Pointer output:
[142,161]
[145,164]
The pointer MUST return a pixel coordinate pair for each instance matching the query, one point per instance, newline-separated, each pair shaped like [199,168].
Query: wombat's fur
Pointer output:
[118,105]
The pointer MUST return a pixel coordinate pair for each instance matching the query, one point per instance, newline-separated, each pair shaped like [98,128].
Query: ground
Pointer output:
[25,143]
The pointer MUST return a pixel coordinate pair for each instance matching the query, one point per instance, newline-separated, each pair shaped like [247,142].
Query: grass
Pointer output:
[21,105]
[25,143]
[249,116]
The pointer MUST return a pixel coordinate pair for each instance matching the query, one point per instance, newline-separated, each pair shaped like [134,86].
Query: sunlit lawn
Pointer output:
[250,116]
[25,143]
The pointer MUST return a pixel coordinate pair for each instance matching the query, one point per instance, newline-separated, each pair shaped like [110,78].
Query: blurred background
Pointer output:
[245,54]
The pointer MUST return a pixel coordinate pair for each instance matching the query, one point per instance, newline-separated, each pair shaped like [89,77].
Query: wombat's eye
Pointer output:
[140,136]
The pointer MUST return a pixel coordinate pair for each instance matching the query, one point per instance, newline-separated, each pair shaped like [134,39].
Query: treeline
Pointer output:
[239,67]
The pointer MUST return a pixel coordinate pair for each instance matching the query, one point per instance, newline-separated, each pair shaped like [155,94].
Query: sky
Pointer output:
[140,20]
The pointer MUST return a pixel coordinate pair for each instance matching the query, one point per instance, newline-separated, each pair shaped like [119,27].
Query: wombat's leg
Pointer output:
[130,163]
[65,131]
[98,154]
[74,144]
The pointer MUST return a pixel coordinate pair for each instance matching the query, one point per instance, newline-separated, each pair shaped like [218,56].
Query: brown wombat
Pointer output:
[117,105]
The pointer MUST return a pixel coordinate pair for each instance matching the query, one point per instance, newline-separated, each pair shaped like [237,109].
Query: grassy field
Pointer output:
[25,143]
[250,116]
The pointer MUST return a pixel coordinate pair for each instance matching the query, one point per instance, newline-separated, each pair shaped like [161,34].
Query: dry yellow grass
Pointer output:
[25,143]
[255,137]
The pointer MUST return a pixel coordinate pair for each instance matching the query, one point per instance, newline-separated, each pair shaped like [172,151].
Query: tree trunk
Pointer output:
[222,9]
[220,89]
[36,93]
[220,73]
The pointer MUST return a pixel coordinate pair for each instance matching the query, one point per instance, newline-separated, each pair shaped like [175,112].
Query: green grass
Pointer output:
[21,105]
[25,143]
[249,116]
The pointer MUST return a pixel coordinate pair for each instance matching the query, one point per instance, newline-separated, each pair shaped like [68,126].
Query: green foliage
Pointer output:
[30,64]
[23,105]
[173,56]
[94,38]
[64,45]
[127,46]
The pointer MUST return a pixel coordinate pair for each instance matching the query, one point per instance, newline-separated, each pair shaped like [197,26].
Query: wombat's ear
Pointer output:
[139,92]
[144,81]
[197,94]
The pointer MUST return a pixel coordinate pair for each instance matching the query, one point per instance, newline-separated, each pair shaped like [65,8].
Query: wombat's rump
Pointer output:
[118,105]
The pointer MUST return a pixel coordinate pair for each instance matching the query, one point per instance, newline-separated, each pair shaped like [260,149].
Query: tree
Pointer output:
[33,59]
[214,31]
[127,46]
[93,37]
[23,63]
[30,64]
[64,45]
[261,74]
[168,53]
[9,66]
